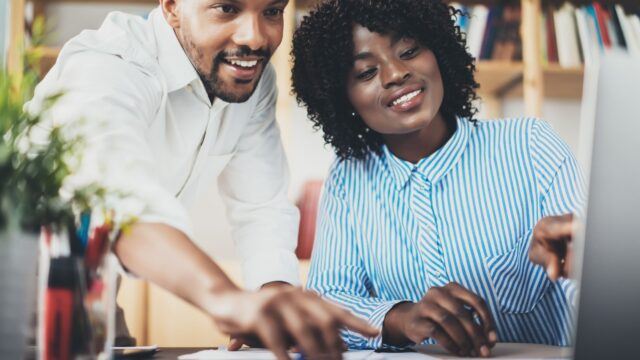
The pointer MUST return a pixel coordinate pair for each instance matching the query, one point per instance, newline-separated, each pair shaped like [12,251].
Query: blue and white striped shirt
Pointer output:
[388,230]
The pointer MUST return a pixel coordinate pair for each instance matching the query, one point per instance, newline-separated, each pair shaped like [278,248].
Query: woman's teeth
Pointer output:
[404,98]
[244,64]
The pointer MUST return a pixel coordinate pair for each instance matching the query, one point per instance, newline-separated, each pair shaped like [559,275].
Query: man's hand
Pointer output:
[276,315]
[552,246]
[282,316]
[236,343]
[448,315]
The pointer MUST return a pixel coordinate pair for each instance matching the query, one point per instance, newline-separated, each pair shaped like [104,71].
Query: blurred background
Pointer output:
[531,62]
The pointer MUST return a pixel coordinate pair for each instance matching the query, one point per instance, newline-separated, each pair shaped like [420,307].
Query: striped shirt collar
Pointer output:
[435,166]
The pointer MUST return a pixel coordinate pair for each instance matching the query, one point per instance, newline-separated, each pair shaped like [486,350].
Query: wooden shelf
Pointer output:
[562,82]
[559,83]
[497,78]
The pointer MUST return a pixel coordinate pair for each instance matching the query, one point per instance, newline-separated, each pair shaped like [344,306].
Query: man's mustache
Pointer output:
[244,51]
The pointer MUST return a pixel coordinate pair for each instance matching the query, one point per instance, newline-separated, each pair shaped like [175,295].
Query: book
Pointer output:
[593,26]
[634,20]
[462,21]
[544,49]
[617,28]
[552,47]
[587,43]
[493,21]
[477,26]
[566,36]
[633,46]
[602,25]
[507,45]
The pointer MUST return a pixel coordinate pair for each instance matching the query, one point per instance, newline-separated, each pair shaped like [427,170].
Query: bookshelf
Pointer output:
[528,79]
[531,77]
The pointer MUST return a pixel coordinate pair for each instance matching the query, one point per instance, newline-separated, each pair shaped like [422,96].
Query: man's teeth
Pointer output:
[404,98]
[245,64]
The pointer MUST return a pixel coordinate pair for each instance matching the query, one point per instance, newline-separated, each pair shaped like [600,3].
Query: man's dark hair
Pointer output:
[323,57]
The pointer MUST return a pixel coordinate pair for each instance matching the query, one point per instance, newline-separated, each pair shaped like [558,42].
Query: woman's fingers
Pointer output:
[423,328]
[479,306]
[450,324]
[473,329]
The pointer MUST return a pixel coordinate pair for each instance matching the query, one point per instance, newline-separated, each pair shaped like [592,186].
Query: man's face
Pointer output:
[229,42]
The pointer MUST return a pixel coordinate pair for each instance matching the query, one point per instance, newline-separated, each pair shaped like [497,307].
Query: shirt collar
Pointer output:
[175,65]
[435,166]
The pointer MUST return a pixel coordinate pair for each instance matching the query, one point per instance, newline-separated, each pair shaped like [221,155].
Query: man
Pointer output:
[185,97]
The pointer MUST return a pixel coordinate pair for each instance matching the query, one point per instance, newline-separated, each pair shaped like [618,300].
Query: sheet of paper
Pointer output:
[262,354]
[430,352]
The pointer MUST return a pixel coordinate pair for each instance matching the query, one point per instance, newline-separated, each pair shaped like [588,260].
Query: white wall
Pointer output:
[67,19]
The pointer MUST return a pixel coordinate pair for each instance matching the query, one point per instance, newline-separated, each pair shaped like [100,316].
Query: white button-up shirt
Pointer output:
[162,140]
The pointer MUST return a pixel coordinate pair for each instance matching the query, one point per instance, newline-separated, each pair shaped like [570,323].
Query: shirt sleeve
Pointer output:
[337,272]
[561,185]
[254,186]
[111,102]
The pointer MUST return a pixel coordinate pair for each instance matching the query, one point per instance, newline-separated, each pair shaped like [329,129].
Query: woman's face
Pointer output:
[395,84]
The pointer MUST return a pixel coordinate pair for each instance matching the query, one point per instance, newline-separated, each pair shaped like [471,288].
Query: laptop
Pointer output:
[608,322]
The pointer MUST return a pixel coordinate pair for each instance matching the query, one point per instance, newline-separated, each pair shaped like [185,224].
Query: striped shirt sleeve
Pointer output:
[561,185]
[337,272]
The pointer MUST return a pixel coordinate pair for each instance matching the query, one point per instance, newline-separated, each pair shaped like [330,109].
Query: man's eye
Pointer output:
[275,12]
[366,75]
[410,53]
[226,9]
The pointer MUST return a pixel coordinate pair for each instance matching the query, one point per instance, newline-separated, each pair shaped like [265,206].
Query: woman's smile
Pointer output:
[406,99]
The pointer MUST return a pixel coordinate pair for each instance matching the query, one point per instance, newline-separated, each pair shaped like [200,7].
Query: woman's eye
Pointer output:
[366,75]
[410,53]
[274,12]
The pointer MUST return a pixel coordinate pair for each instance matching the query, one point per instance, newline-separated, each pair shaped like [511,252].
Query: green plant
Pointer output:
[32,172]
[35,159]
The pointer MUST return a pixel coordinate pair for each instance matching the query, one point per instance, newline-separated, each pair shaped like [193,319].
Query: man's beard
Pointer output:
[218,88]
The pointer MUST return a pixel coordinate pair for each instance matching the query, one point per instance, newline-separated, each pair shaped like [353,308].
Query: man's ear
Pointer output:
[171,11]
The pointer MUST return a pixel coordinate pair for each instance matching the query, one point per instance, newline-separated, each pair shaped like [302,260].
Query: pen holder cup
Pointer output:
[76,297]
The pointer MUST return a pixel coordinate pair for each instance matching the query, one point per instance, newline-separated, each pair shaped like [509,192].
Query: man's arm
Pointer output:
[166,257]
[115,101]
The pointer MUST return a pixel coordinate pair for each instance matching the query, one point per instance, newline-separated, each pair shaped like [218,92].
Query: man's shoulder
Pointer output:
[120,33]
[118,55]
[123,41]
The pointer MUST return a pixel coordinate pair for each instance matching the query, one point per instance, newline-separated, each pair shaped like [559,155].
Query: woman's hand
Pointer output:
[446,314]
[552,246]
[283,316]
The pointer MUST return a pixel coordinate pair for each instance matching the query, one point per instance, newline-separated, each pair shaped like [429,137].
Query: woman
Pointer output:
[427,216]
